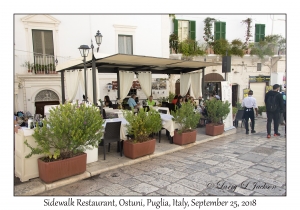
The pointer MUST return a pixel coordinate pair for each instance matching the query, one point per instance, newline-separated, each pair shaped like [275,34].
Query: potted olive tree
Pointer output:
[66,133]
[217,111]
[140,127]
[187,119]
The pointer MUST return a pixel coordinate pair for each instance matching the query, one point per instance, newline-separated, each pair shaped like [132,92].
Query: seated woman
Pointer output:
[179,102]
[150,101]
[174,101]
[107,102]
[191,99]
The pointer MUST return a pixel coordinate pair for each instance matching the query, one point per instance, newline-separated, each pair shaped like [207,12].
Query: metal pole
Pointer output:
[94,79]
[118,82]
[62,87]
[203,83]
[85,85]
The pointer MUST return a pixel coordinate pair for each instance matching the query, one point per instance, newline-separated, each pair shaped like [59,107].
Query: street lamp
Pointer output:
[84,51]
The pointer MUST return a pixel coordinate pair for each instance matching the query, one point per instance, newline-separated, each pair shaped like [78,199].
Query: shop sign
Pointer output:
[259,78]
[245,91]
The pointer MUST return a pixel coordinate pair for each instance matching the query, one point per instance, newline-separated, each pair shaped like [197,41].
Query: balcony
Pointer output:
[33,63]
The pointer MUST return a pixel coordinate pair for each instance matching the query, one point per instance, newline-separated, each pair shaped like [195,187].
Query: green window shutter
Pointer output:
[217,31]
[259,32]
[262,31]
[175,27]
[223,30]
[192,27]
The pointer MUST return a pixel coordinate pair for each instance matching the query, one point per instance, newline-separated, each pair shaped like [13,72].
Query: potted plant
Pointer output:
[262,111]
[140,126]
[234,111]
[208,35]
[28,65]
[66,133]
[187,119]
[217,111]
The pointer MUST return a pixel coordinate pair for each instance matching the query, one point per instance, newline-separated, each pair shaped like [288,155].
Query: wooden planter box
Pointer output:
[56,170]
[214,130]
[136,150]
[184,138]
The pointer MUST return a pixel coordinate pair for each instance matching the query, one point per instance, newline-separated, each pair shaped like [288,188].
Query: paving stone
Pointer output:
[162,170]
[252,157]
[165,192]
[144,178]
[129,182]
[95,193]
[199,166]
[114,189]
[132,171]
[263,168]
[177,174]
[243,191]
[85,186]
[181,190]
[210,162]
[236,179]
[263,150]
[159,183]
[218,192]
[115,177]
[55,192]
[132,193]
[252,170]
[193,185]
[202,178]
[144,188]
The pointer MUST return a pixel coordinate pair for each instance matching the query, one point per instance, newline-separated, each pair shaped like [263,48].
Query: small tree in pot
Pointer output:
[140,127]
[187,119]
[69,130]
[217,111]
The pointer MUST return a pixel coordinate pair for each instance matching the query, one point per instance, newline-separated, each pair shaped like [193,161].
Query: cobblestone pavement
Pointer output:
[238,164]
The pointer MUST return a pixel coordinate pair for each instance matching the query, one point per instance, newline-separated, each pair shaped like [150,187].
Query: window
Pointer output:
[259,32]
[185,29]
[125,44]
[258,66]
[43,47]
[220,30]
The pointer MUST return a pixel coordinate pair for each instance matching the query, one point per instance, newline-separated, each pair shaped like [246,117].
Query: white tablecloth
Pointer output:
[123,130]
[168,123]
[162,108]
[117,111]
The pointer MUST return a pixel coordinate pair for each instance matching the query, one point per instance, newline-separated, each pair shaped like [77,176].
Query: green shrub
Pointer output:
[69,130]
[142,124]
[186,117]
[261,109]
[217,110]
[234,110]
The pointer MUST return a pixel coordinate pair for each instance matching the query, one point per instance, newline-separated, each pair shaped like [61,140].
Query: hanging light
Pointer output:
[84,50]
[98,38]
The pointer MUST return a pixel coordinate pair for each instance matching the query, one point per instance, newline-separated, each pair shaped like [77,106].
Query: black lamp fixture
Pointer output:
[98,38]
[84,51]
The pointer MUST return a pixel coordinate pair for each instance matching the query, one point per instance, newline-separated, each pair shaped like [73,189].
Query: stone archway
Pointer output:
[45,97]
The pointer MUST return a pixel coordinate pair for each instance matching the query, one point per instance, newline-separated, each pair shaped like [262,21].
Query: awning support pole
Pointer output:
[203,82]
[94,79]
[62,87]
[118,82]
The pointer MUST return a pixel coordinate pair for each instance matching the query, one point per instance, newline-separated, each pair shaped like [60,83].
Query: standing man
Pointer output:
[274,105]
[249,104]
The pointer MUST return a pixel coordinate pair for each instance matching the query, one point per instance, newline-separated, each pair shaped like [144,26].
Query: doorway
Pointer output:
[39,106]
[177,88]
[234,95]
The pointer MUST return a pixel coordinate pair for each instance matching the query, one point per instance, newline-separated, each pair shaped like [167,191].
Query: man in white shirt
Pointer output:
[249,104]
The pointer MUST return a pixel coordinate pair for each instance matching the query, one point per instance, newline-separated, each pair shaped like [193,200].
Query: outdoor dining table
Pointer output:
[168,123]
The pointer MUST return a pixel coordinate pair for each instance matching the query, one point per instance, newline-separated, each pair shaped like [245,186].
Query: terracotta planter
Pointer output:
[52,171]
[138,149]
[214,130]
[184,138]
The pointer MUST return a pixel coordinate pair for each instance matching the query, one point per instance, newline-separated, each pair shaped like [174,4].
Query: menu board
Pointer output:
[227,96]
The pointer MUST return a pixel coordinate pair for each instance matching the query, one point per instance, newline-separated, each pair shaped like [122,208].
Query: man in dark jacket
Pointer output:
[274,105]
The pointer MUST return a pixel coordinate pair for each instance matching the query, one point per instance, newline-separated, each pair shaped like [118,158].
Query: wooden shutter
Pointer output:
[217,30]
[175,27]
[223,30]
[192,27]
[259,32]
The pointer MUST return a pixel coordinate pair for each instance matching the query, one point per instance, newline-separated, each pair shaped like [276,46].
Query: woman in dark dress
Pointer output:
[107,102]
[179,102]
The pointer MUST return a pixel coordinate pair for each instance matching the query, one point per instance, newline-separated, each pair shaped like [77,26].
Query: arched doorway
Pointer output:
[212,83]
[177,88]
[45,97]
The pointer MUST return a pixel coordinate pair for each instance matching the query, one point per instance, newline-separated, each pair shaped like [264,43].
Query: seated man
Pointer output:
[150,102]
[131,102]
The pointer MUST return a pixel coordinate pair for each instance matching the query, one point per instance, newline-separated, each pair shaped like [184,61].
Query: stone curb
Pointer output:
[36,187]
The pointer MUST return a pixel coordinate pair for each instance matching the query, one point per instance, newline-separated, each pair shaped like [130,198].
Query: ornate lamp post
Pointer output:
[84,51]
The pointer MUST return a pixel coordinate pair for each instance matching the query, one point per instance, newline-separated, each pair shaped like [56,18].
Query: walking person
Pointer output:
[274,105]
[249,104]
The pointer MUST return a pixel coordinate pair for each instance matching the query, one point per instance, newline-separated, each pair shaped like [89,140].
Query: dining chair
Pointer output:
[239,117]
[146,108]
[112,134]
